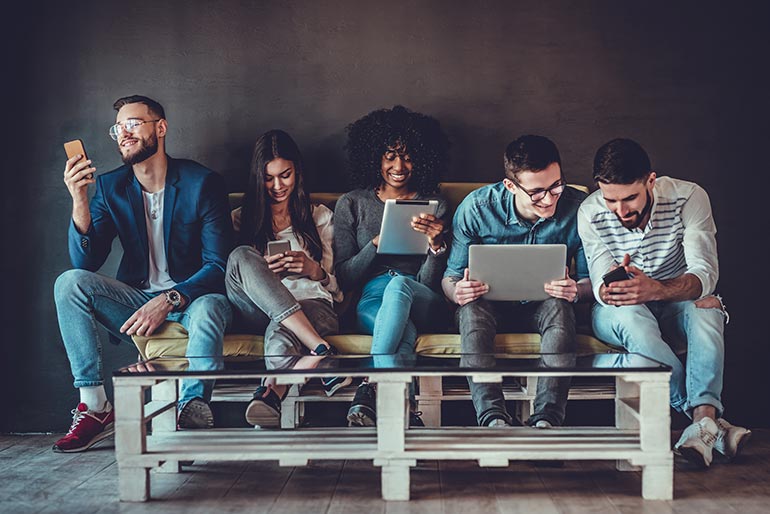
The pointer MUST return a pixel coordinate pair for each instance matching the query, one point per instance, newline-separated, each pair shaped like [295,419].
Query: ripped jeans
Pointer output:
[657,330]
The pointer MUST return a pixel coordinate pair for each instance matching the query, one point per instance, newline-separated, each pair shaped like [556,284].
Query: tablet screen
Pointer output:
[397,237]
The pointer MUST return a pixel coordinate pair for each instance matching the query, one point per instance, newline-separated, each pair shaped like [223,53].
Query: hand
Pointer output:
[376,240]
[565,289]
[141,366]
[149,317]
[432,227]
[76,176]
[634,291]
[467,290]
[299,263]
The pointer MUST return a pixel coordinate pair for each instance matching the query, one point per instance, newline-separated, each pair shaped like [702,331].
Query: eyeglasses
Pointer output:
[539,194]
[128,126]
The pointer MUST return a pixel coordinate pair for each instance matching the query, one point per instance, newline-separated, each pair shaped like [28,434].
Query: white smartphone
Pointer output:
[276,247]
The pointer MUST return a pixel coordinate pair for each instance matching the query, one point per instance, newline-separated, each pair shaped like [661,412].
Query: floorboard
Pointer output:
[33,479]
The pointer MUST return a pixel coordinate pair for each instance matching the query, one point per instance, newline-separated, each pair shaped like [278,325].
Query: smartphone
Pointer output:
[276,247]
[75,147]
[615,275]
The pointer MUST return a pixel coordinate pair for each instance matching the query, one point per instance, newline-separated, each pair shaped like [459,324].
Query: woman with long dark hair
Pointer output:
[394,154]
[289,295]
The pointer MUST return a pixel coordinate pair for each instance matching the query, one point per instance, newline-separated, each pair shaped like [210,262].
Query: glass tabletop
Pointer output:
[360,365]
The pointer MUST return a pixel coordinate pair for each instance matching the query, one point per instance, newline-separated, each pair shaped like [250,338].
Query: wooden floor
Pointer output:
[34,479]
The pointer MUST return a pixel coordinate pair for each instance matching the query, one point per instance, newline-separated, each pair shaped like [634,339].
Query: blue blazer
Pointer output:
[197,229]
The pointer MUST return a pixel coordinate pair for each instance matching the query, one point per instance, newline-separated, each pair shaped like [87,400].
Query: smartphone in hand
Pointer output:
[75,147]
[276,247]
[615,275]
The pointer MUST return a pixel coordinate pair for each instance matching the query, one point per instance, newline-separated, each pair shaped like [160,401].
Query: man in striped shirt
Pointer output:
[661,230]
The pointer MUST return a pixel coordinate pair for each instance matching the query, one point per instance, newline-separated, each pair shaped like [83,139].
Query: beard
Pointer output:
[637,218]
[147,148]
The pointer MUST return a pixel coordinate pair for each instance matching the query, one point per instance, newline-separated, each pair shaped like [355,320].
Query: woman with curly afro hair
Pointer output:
[394,154]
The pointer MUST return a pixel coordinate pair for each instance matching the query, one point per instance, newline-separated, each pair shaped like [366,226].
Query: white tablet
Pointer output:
[517,272]
[397,237]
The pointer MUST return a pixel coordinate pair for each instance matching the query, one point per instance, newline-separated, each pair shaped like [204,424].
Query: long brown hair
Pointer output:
[257,216]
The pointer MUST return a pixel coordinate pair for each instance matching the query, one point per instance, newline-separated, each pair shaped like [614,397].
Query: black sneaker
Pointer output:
[362,412]
[195,414]
[331,384]
[415,420]
[264,411]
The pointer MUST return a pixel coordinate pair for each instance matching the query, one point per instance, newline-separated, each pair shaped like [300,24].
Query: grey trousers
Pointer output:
[260,302]
[553,319]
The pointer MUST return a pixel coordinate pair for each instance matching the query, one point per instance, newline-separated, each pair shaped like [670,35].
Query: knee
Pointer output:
[559,311]
[240,256]
[474,315]
[210,307]
[400,285]
[69,282]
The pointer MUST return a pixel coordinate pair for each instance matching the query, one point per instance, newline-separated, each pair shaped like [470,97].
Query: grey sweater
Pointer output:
[357,220]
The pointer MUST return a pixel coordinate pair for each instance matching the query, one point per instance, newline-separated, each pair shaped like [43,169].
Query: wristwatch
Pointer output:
[440,251]
[173,298]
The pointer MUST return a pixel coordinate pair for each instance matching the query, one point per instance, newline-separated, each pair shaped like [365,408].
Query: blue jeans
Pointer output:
[657,329]
[393,307]
[84,298]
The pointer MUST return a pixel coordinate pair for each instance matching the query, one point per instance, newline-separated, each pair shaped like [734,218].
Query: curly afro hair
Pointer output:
[409,132]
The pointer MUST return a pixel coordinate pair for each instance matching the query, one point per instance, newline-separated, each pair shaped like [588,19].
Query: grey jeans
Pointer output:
[553,319]
[260,302]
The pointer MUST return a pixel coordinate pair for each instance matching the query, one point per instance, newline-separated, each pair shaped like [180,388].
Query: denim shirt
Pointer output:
[487,216]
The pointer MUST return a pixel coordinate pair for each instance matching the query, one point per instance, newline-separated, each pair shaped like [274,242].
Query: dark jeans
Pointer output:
[553,319]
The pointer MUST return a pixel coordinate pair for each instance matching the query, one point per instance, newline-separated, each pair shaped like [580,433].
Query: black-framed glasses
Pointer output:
[539,194]
[128,126]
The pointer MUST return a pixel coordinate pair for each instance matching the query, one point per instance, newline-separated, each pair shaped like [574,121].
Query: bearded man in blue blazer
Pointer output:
[173,221]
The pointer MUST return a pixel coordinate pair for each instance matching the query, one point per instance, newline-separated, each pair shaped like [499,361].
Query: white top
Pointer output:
[158,278]
[679,238]
[302,287]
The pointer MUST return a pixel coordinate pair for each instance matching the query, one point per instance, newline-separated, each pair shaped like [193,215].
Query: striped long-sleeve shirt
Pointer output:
[679,238]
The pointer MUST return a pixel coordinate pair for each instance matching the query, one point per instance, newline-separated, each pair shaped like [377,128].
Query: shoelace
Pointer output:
[705,436]
[77,416]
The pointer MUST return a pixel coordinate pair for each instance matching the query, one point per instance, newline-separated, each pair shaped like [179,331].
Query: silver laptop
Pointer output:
[517,272]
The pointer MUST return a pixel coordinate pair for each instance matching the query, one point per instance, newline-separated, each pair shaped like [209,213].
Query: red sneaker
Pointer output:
[88,428]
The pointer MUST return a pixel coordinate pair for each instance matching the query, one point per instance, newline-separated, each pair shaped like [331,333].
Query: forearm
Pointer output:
[448,285]
[81,216]
[684,287]
[351,272]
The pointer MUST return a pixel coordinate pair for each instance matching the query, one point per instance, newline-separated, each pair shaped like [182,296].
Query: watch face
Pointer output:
[174,297]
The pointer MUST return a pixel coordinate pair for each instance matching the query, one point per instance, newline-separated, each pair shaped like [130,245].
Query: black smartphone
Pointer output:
[615,275]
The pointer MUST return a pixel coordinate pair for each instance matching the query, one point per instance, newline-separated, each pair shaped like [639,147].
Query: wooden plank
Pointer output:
[466,488]
[310,489]
[355,491]
[572,493]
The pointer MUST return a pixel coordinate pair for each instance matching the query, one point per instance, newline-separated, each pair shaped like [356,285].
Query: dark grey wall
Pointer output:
[686,80]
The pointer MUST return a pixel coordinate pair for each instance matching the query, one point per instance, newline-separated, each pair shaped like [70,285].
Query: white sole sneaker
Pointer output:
[731,439]
[697,442]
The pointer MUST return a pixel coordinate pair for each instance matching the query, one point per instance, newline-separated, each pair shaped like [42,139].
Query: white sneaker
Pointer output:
[730,439]
[498,423]
[697,442]
[545,424]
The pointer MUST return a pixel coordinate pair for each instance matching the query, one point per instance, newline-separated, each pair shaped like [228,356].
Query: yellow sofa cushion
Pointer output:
[171,341]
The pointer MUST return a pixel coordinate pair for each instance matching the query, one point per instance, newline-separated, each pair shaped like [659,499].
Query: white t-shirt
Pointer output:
[158,279]
[302,287]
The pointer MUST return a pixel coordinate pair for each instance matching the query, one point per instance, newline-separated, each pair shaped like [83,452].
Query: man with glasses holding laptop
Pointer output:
[173,221]
[531,205]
